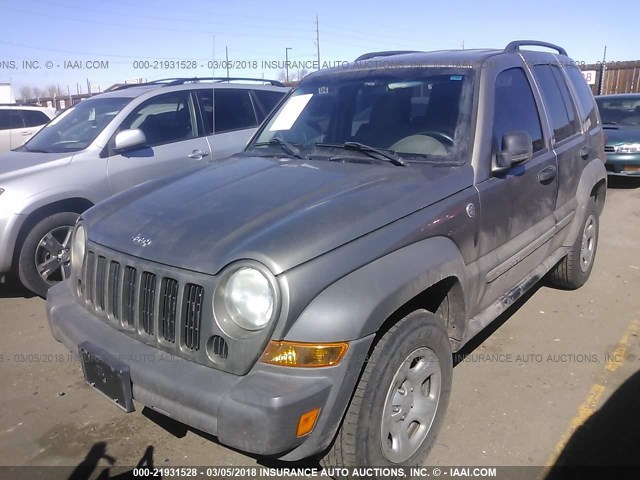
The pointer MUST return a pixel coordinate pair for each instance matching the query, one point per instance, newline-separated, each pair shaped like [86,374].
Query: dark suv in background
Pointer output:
[305,297]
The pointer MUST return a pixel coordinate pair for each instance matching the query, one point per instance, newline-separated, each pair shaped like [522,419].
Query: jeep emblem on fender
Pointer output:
[140,240]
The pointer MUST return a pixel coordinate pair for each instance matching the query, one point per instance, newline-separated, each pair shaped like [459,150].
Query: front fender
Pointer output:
[357,305]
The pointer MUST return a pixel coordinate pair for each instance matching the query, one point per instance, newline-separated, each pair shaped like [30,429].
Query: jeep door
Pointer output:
[517,204]
[174,141]
[234,122]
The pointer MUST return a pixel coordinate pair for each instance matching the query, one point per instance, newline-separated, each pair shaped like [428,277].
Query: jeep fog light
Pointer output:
[295,354]
[249,298]
[77,250]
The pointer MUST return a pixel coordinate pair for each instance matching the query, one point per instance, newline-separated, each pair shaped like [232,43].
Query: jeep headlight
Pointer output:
[77,250]
[247,298]
[628,148]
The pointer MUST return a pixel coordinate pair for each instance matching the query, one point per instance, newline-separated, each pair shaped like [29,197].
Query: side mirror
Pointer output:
[517,147]
[128,139]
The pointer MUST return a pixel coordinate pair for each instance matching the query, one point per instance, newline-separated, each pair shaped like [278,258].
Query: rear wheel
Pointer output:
[401,398]
[574,270]
[45,256]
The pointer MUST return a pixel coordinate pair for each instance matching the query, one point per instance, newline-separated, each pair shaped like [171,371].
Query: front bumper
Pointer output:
[10,225]
[257,412]
[623,164]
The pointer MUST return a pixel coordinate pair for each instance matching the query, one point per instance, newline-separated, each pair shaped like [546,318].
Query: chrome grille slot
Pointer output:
[192,314]
[147,301]
[114,290]
[100,282]
[609,148]
[168,307]
[129,296]
[90,276]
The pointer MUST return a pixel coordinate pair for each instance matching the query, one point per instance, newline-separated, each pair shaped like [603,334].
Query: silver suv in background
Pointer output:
[110,143]
[18,123]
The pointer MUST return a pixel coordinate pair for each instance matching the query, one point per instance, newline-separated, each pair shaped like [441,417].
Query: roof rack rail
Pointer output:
[169,82]
[367,56]
[515,46]
[180,81]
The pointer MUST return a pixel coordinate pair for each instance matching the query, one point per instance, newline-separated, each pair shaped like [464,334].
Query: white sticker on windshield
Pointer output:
[290,112]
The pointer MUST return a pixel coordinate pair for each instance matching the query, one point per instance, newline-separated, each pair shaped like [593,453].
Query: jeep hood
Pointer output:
[279,212]
[15,163]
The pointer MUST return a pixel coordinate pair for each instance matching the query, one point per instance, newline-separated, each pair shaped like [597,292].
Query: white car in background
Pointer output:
[18,123]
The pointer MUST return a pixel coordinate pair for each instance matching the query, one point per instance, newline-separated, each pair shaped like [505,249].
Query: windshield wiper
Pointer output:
[24,148]
[387,155]
[286,146]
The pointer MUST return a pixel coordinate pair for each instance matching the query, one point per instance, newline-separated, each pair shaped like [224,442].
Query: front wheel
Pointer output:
[400,400]
[45,256]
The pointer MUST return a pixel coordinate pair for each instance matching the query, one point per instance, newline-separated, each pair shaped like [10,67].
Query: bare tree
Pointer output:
[37,92]
[26,93]
[51,90]
[294,75]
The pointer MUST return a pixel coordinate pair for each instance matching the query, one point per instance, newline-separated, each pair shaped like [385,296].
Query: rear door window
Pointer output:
[557,101]
[233,110]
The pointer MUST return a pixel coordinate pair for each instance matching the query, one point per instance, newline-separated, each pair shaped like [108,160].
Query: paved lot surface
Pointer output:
[519,397]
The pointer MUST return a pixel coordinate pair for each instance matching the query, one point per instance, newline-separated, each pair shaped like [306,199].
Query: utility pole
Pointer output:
[603,68]
[286,61]
[318,40]
[88,87]
[226,53]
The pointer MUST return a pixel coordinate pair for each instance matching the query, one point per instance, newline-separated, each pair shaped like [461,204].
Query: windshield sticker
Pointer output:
[455,77]
[290,112]
[323,90]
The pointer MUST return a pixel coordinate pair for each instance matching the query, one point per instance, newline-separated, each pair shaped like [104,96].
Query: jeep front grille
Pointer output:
[143,302]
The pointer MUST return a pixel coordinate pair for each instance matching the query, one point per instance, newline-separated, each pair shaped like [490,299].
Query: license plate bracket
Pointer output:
[107,374]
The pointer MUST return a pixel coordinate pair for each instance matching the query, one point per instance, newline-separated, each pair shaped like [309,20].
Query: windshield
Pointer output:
[74,129]
[418,114]
[620,111]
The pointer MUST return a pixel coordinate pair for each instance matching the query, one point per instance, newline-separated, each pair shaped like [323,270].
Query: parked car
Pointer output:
[305,297]
[18,123]
[621,118]
[109,143]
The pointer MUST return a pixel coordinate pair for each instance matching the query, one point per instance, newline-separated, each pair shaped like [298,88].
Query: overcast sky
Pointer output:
[128,35]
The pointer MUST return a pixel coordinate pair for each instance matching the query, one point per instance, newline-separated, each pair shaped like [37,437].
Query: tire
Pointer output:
[420,343]
[46,249]
[575,268]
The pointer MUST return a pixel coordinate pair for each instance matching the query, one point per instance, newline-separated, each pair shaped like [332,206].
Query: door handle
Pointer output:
[26,134]
[585,152]
[198,154]
[547,175]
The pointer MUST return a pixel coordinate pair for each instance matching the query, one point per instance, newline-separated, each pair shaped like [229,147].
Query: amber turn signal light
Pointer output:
[309,355]
[307,422]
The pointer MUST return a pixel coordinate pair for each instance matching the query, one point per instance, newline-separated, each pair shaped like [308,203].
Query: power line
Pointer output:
[138,27]
[170,19]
